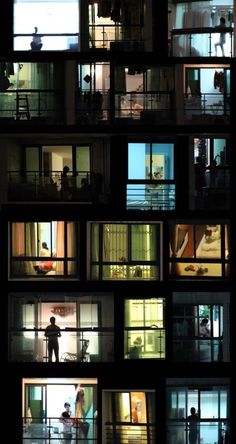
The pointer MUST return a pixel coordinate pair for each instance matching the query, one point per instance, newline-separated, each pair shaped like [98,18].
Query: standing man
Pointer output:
[52,334]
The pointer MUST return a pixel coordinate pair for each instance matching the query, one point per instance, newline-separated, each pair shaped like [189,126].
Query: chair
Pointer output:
[82,356]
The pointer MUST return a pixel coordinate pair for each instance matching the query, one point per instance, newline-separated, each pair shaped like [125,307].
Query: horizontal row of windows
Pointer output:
[191,407]
[100,93]
[84,26]
[119,251]
[86,326]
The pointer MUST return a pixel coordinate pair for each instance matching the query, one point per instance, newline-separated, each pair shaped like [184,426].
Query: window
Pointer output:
[144,329]
[86,326]
[125,251]
[144,93]
[122,24]
[93,93]
[211,410]
[129,416]
[43,402]
[151,184]
[198,333]
[42,249]
[53,24]
[209,177]
[199,251]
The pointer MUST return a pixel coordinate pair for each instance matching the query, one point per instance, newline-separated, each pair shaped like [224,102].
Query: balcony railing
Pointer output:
[50,42]
[145,107]
[200,42]
[123,432]
[207,107]
[92,107]
[128,38]
[211,431]
[150,197]
[91,344]
[43,429]
[198,349]
[80,186]
[145,342]
[31,106]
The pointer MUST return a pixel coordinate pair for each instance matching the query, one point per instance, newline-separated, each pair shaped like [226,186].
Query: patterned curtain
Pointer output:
[115,243]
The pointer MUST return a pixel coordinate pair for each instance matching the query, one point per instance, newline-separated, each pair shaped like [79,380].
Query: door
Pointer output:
[35,403]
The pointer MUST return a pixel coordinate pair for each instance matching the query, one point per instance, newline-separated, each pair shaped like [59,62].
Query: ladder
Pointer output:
[22,107]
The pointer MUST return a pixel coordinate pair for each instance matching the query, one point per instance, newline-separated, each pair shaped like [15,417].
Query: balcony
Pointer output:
[50,42]
[31,106]
[148,197]
[35,186]
[49,429]
[207,108]
[200,42]
[95,344]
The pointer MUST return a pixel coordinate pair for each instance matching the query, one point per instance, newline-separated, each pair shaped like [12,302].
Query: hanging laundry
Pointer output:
[115,13]
[219,81]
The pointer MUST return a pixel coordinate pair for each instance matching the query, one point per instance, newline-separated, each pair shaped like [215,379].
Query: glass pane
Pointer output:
[143,242]
[223,403]
[71,243]
[95,242]
[44,239]
[162,161]
[18,239]
[32,244]
[32,160]
[127,272]
[115,243]
[123,407]
[137,160]
[192,400]
[209,404]
[208,241]
[197,270]
[216,324]
[154,312]
[58,239]
[138,407]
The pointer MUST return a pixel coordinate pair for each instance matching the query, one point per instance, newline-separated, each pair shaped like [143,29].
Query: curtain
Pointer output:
[83,401]
[30,239]
[115,242]
[173,242]
[143,242]
[18,239]
[71,247]
[60,253]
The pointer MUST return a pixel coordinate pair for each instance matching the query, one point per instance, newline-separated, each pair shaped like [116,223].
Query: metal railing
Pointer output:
[92,106]
[211,431]
[207,104]
[44,429]
[200,42]
[64,41]
[150,197]
[144,342]
[39,103]
[143,106]
[80,186]
[103,36]
[90,344]
[129,432]
[197,349]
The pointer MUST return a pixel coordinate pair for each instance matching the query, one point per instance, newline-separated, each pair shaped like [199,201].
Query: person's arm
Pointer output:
[59,332]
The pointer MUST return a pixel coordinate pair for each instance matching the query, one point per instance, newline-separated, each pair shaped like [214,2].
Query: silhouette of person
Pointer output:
[36,43]
[65,182]
[52,333]
[193,426]
[67,422]
[221,42]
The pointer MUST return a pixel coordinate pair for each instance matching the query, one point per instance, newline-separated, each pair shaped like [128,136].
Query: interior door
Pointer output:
[35,405]
[192,81]
[88,318]
[82,163]
[32,162]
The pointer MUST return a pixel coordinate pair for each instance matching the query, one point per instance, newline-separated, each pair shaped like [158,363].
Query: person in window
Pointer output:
[36,43]
[193,426]
[221,42]
[52,333]
[67,422]
[44,252]
[204,330]
[66,186]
